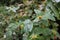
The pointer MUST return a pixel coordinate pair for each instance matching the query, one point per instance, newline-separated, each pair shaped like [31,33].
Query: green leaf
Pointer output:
[48,16]
[44,31]
[25,36]
[36,20]
[38,12]
[56,13]
[8,33]
[45,22]
[37,30]
[28,25]
[12,8]
[12,26]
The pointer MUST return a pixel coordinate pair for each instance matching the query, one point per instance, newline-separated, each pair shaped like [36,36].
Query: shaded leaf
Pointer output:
[28,25]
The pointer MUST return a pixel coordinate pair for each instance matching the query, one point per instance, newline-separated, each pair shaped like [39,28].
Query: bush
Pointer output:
[29,20]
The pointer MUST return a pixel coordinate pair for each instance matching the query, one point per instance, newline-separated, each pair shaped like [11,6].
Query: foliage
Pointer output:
[29,20]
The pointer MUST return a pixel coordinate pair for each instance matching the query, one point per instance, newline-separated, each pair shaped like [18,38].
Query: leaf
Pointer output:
[12,26]
[44,31]
[56,13]
[36,20]
[8,33]
[38,12]
[48,16]
[25,36]
[37,30]
[57,1]
[12,8]
[45,22]
[28,25]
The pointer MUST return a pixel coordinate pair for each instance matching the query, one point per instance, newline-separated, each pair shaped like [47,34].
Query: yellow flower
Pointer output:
[26,2]
[39,17]
[54,32]
[21,26]
[33,36]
